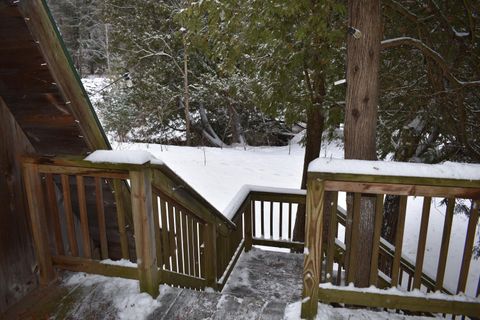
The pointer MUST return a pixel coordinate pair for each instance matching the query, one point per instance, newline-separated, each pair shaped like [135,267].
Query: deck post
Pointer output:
[36,206]
[143,224]
[313,247]
[210,238]
[248,226]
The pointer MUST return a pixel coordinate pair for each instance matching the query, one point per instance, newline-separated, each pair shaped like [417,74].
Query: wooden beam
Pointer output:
[313,247]
[36,206]
[248,225]
[42,26]
[399,302]
[95,267]
[210,238]
[416,181]
[403,190]
[145,243]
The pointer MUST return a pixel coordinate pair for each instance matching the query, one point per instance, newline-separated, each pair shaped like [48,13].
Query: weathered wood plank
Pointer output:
[278,197]
[248,226]
[191,249]
[182,280]
[313,245]
[164,230]
[395,180]
[186,263]
[179,238]
[468,248]
[406,190]
[144,231]
[67,202]
[121,217]
[422,240]
[95,267]
[82,204]
[399,240]
[158,236]
[171,233]
[210,238]
[280,220]
[271,219]
[399,302]
[230,265]
[447,229]
[101,218]
[353,245]
[36,207]
[196,262]
[262,218]
[332,228]
[53,206]
[377,231]
[278,243]
[290,226]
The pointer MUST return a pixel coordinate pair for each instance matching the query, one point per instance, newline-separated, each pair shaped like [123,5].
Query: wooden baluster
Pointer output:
[145,244]
[185,239]
[254,218]
[190,246]
[171,233]
[178,231]
[158,236]
[271,220]
[165,239]
[82,205]
[67,202]
[195,248]
[280,222]
[467,251]
[36,206]
[422,240]
[201,226]
[376,239]
[210,238]
[248,226]
[262,219]
[53,206]
[353,243]
[447,229]
[399,240]
[122,230]
[101,218]
[313,245]
[290,227]
[331,237]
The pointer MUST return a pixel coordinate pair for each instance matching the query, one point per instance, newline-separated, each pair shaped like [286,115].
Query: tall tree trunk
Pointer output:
[186,94]
[363,52]
[315,124]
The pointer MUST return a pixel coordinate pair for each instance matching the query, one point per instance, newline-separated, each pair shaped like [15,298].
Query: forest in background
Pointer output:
[248,72]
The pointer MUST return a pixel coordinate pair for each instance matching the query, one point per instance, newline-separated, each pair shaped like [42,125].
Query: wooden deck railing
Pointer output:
[84,213]
[403,274]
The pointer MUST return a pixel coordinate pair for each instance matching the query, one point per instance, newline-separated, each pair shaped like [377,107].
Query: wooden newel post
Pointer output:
[36,206]
[248,226]
[210,239]
[143,224]
[313,247]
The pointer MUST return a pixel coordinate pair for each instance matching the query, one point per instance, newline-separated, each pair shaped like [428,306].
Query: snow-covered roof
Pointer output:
[445,170]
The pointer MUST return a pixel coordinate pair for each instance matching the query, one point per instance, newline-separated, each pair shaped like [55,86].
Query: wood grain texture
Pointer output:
[82,204]
[101,218]
[468,248]
[313,245]
[55,217]
[422,241]
[210,238]
[399,302]
[447,229]
[248,226]
[145,245]
[17,258]
[121,218]
[36,206]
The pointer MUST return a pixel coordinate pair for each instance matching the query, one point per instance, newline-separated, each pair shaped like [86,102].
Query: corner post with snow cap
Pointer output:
[143,221]
[313,247]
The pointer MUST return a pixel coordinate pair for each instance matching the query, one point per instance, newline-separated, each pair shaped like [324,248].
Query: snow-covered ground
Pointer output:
[219,174]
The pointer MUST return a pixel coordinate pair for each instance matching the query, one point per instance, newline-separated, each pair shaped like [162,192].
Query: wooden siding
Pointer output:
[17,260]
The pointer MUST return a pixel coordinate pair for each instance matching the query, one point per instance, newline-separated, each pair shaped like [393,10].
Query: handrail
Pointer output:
[377,178]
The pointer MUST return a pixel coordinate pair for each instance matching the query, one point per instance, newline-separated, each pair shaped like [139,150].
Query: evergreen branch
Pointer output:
[430,53]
